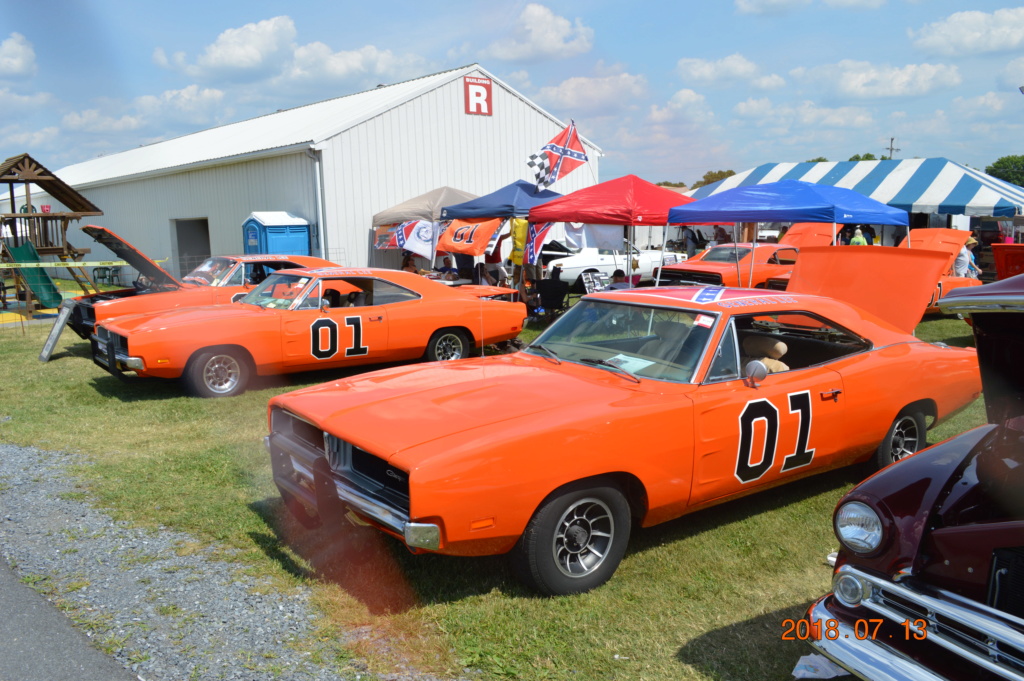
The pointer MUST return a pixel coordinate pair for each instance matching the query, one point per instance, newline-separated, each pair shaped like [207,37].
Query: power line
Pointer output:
[892,141]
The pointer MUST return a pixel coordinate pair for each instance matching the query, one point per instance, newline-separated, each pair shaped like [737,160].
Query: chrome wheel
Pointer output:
[447,345]
[221,374]
[906,436]
[582,537]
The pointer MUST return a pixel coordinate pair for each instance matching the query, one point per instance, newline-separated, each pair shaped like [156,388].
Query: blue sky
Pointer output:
[668,89]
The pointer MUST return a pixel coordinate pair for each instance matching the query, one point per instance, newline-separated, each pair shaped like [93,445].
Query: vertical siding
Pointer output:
[143,211]
[425,143]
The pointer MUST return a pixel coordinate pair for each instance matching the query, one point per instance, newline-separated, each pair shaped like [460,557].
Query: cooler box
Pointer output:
[1009,260]
[276,232]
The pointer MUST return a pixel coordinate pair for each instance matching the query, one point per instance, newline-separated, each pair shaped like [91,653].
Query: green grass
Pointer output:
[701,597]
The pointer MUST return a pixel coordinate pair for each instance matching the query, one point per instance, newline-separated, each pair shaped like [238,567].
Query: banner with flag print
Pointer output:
[418,236]
[558,158]
[535,238]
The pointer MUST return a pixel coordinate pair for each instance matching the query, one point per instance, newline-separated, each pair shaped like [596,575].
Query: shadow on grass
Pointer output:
[132,388]
[737,650]
[383,575]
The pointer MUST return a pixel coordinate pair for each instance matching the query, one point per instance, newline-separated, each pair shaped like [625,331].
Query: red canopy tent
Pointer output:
[626,200]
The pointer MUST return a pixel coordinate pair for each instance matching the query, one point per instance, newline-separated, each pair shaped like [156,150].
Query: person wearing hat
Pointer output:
[964,265]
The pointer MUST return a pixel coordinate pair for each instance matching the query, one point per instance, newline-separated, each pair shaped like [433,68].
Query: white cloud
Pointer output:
[972,32]
[729,69]
[13,102]
[92,120]
[253,50]
[806,113]
[317,61]
[866,80]
[988,105]
[520,79]
[541,34]
[768,6]
[17,58]
[190,104]
[598,95]
[1013,74]
[684,105]
[29,139]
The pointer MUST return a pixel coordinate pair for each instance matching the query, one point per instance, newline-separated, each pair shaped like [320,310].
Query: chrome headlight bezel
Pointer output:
[859,528]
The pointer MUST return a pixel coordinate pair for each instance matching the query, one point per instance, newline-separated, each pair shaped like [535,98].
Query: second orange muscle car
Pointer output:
[218,279]
[306,319]
[638,405]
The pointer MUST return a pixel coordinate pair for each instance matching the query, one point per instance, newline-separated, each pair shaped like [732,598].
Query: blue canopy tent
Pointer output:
[513,200]
[918,185]
[789,201]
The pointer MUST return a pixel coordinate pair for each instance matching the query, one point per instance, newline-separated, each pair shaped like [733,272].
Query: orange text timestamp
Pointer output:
[860,629]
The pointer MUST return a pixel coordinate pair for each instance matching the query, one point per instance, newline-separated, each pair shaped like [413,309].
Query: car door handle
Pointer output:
[375,319]
[831,395]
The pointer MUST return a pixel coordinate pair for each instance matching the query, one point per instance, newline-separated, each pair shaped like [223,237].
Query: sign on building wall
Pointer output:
[478,95]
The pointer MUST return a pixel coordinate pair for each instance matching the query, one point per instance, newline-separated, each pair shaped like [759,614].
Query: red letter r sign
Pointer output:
[478,95]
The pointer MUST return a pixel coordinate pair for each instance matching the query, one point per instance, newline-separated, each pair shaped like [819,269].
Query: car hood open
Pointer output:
[135,259]
[941,239]
[894,284]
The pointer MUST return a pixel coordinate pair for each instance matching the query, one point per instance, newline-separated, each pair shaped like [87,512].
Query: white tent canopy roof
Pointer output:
[423,207]
[919,185]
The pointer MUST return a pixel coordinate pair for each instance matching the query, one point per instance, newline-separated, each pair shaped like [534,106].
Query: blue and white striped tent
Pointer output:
[918,185]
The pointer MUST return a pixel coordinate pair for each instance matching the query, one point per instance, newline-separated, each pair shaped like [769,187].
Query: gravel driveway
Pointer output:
[164,616]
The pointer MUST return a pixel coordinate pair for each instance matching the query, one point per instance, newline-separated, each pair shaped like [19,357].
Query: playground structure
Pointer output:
[31,236]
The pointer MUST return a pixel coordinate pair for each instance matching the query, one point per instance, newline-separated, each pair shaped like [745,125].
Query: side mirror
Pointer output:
[325,305]
[755,372]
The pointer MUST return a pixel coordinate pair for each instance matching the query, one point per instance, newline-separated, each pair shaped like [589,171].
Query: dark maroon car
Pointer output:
[929,580]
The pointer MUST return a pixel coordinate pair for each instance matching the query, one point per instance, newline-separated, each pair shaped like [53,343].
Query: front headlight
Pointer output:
[858,527]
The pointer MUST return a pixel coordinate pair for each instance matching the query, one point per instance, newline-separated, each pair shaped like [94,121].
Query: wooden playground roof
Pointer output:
[26,170]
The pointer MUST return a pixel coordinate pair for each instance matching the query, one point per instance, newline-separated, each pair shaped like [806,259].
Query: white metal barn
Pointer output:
[334,163]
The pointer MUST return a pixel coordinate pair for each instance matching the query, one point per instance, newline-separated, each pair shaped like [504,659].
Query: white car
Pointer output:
[606,261]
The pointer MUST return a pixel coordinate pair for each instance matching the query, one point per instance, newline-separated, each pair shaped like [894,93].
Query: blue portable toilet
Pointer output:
[276,232]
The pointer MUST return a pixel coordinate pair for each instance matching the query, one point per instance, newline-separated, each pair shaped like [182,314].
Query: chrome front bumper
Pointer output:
[966,634]
[295,473]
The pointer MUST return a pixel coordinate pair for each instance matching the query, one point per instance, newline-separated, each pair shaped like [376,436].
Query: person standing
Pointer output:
[689,240]
[963,265]
[858,238]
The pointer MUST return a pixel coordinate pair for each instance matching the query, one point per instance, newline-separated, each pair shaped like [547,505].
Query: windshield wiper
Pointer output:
[549,351]
[609,365]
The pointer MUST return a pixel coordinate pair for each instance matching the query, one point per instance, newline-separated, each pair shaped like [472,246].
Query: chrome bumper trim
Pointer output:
[417,535]
[870,660]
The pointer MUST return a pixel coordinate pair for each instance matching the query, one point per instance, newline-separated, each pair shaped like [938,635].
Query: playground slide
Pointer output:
[36,277]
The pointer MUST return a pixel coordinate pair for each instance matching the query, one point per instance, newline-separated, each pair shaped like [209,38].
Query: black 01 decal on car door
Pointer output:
[357,349]
[324,338]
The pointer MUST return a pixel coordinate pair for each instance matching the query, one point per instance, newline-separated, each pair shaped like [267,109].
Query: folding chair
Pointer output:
[554,296]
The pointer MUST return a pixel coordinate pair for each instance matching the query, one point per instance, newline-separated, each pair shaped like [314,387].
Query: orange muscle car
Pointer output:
[219,279]
[306,319]
[638,405]
[747,264]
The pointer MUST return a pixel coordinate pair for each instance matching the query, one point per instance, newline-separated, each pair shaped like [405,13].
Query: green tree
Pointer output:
[820,159]
[711,177]
[863,157]
[1008,168]
[666,183]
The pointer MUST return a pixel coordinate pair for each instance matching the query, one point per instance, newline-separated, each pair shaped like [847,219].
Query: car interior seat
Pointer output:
[766,350]
[670,337]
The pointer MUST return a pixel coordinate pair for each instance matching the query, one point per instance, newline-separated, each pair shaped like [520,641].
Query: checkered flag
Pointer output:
[558,158]
[541,170]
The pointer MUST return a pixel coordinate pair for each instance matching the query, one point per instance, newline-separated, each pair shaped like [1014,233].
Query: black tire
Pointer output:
[575,540]
[905,436]
[217,373]
[448,344]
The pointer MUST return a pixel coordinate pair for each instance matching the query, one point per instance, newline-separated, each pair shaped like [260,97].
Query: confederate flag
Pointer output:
[535,238]
[558,158]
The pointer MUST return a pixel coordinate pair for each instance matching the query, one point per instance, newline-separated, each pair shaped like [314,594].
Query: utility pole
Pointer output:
[892,148]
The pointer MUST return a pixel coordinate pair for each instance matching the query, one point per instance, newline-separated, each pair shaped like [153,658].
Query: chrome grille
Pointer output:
[981,634]
[685,277]
[371,474]
[289,424]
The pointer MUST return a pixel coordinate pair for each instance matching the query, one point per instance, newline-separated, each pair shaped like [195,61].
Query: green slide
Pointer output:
[38,280]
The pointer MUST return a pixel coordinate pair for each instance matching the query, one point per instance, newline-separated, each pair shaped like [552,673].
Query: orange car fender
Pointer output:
[478,515]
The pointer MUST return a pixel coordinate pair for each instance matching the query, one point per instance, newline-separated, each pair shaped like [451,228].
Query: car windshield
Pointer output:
[212,272]
[641,341]
[278,291]
[727,254]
